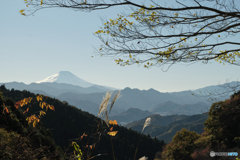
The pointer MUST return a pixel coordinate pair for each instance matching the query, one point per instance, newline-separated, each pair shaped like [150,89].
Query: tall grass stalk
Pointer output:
[112,149]
[103,109]
[147,123]
[97,136]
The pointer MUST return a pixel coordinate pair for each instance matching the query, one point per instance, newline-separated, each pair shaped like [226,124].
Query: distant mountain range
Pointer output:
[57,84]
[87,96]
[54,89]
[149,100]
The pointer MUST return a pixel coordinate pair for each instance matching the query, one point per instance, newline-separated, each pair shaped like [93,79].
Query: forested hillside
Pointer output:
[67,123]
[18,139]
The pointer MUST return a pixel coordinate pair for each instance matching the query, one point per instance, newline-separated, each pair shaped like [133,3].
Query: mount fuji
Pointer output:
[60,83]
[68,78]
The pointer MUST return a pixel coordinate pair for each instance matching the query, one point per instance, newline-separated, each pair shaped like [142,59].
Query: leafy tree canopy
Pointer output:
[223,122]
[158,33]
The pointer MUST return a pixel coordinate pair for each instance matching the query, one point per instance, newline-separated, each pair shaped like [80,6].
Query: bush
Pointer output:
[181,147]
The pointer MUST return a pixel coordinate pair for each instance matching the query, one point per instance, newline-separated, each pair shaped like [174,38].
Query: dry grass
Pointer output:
[104,104]
[114,100]
[147,123]
[104,114]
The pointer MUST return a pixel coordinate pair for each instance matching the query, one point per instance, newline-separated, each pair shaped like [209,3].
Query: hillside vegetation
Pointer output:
[67,123]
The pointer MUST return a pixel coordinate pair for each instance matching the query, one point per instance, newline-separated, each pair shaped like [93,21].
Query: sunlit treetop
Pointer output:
[163,32]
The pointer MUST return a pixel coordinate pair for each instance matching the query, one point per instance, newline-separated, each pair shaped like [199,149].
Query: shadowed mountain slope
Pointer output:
[68,122]
[165,127]
[132,114]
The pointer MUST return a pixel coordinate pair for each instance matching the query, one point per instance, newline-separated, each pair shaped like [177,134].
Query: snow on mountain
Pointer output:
[66,77]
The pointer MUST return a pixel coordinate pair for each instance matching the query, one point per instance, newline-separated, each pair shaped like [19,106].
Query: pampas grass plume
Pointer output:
[147,123]
[103,105]
[144,158]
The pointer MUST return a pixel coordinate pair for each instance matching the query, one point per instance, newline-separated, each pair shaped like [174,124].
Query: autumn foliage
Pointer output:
[33,118]
[18,139]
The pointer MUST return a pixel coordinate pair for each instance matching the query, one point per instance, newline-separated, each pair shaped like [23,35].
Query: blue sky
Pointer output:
[35,47]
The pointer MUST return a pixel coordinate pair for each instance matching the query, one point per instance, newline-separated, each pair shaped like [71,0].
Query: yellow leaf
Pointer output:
[113,122]
[218,35]
[39,98]
[22,103]
[113,133]
[21,11]
[42,104]
[107,43]
[183,39]
[34,123]
[130,55]
[29,100]
[51,107]
[42,113]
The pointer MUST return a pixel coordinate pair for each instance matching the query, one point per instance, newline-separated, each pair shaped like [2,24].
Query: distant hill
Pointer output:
[132,114]
[157,119]
[192,123]
[80,101]
[170,108]
[166,107]
[165,127]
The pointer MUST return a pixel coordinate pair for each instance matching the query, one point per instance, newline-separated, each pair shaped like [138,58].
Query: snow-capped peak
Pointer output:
[66,77]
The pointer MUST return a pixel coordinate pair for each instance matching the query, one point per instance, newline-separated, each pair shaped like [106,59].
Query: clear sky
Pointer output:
[35,47]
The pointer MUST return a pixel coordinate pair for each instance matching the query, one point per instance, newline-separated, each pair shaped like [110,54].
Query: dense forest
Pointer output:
[52,137]
[67,123]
